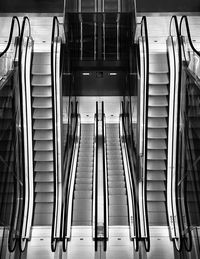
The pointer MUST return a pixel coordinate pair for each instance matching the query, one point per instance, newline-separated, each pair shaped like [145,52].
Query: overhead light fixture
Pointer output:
[113,74]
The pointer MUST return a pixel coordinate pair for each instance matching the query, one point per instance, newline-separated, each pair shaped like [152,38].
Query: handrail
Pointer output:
[25,50]
[144,103]
[95,198]
[185,19]
[175,61]
[105,180]
[69,170]
[56,43]
[130,182]
[192,55]
[14,21]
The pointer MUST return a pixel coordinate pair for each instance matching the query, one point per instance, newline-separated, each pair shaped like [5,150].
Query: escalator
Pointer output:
[157,138]
[42,139]
[82,202]
[118,207]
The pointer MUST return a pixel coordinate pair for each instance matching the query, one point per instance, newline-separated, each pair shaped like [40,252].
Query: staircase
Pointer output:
[82,203]
[118,210]
[157,138]
[42,139]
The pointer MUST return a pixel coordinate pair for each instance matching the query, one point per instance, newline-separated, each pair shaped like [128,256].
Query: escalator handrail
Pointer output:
[185,19]
[96,181]
[105,183]
[144,35]
[132,180]
[56,43]
[25,23]
[172,186]
[67,182]
[14,21]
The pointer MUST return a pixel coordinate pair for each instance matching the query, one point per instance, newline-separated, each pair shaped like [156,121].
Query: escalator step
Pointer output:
[156,165]
[156,175]
[120,184]
[42,102]
[117,191]
[38,69]
[41,80]
[41,58]
[118,221]
[116,178]
[42,219]
[43,145]
[158,90]
[159,58]
[43,166]
[46,197]
[42,125]
[158,79]
[44,187]
[84,180]
[43,135]
[158,67]
[82,195]
[156,186]
[42,114]
[117,200]
[157,112]
[156,196]
[44,177]
[157,123]
[115,167]
[42,91]
[156,206]
[118,211]
[43,208]
[158,218]
[157,133]
[83,187]
[158,101]
[43,156]
[156,144]
[156,154]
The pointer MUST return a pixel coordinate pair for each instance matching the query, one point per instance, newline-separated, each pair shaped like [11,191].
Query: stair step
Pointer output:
[42,125]
[41,58]
[43,145]
[41,80]
[159,90]
[42,102]
[158,101]
[42,91]
[42,114]
[43,156]
[43,166]
[38,69]
[158,79]
[157,112]
[156,144]
[44,187]
[157,133]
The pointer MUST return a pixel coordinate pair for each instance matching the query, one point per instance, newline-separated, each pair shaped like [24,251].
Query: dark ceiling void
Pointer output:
[56,6]
[168,6]
[31,6]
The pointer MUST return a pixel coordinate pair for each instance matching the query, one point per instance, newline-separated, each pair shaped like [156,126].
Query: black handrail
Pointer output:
[144,34]
[96,184]
[174,32]
[73,114]
[25,22]
[54,36]
[104,178]
[132,169]
[185,19]
[15,20]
